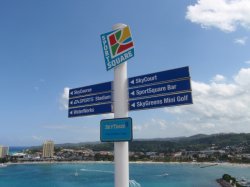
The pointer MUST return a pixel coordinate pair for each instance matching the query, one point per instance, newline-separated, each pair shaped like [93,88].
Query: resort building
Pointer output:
[4,151]
[48,149]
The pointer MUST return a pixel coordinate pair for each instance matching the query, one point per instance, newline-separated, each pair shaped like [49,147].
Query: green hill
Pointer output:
[192,143]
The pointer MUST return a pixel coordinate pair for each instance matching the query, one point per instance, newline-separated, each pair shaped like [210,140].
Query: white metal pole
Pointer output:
[121,155]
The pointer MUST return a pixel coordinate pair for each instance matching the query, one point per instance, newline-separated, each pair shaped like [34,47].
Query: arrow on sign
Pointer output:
[161,101]
[162,76]
[71,102]
[133,93]
[92,89]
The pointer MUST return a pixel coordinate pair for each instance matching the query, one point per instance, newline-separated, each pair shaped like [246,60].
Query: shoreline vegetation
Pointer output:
[230,181]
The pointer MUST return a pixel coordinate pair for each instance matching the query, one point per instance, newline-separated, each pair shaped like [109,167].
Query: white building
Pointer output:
[4,151]
[48,149]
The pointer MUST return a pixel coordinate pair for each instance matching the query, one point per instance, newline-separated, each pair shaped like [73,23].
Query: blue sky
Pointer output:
[47,47]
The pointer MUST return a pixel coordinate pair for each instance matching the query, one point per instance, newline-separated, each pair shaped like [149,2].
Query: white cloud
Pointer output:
[37,138]
[241,41]
[243,78]
[247,62]
[221,105]
[137,128]
[218,78]
[225,15]
[64,99]
[153,128]
[217,107]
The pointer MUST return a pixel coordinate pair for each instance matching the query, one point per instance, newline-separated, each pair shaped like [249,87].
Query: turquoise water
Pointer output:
[101,175]
[13,150]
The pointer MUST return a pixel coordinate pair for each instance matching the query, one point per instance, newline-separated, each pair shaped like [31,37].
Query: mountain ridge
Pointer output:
[192,143]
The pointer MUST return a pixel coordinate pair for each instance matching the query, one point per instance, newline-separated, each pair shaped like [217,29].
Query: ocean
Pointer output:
[102,175]
[13,150]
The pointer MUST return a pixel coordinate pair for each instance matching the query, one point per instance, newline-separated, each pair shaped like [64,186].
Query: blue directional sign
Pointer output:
[90,110]
[90,100]
[115,130]
[160,89]
[163,76]
[88,90]
[161,101]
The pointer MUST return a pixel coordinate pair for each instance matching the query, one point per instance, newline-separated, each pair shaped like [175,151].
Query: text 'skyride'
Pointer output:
[118,47]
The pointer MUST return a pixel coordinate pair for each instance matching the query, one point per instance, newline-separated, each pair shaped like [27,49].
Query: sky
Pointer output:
[49,46]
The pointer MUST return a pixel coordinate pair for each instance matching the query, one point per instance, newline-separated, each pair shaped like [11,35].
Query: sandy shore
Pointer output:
[137,162]
[197,163]
[60,162]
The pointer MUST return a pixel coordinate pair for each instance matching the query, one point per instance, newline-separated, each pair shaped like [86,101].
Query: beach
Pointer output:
[132,162]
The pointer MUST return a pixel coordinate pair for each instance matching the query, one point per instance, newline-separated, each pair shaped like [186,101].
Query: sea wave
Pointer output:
[163,175]
[95,170]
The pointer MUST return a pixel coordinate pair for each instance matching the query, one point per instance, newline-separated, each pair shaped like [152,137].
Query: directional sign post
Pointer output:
[121,156]
[160,89]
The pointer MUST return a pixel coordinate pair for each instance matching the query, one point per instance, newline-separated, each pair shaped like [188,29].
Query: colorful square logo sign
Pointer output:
[118,47]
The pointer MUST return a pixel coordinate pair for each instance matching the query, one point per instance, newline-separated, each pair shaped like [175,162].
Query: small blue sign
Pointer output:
[160,89]
[116,130]
[163,76]
[89,90]
[90,100]
[161,101]
[90,110]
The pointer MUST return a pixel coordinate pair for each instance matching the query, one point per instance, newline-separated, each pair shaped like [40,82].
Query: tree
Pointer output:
[226,177]
[3,160]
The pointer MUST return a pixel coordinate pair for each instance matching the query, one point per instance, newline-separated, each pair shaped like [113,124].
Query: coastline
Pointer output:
[132,162]
[196,163]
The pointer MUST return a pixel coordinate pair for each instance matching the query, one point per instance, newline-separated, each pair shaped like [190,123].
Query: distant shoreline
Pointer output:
[132,162]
